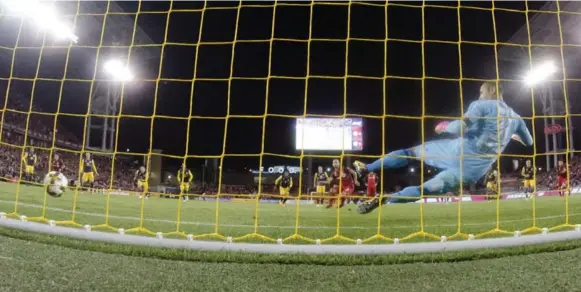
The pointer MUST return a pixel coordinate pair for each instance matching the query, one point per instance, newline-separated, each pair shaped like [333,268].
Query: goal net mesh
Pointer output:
[219,86]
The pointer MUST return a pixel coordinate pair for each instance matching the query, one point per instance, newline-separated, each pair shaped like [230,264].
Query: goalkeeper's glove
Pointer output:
[441,127]
[518,139]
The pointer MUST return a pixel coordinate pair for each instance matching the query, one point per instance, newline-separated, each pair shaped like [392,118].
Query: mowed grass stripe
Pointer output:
[236,219]
[269,226]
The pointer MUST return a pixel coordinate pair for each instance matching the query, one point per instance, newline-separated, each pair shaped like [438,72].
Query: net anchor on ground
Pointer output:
[459,235]
[178,233]
[421,234]
[561,227]
[215,236]
[494,232]
[33,219]
[254,236]
[105,227]
[338,237]
[297,236]
[68,223]
[377,237]
[141,230]
[533,229]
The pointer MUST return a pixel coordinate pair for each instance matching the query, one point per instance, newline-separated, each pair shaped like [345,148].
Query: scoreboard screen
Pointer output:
[329,134]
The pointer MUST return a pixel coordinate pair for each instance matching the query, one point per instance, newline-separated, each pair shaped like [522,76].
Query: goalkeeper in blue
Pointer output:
[489,125]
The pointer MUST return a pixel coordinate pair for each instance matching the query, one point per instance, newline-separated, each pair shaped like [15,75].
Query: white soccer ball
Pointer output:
[56,183]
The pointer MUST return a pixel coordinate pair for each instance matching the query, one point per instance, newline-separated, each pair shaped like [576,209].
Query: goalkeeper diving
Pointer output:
[489,125]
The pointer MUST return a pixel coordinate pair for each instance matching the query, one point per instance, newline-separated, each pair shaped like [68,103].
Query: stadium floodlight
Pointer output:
[540,73]
[44,15]
[118,71]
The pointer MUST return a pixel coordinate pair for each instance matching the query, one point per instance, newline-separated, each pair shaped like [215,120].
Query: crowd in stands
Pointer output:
[10,163]
[40,125]
[549,179]
[40,135]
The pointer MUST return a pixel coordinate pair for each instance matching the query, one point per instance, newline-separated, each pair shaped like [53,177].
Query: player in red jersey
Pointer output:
[562,184]
[371,184]
[343,181]
[57,164]
[57,167]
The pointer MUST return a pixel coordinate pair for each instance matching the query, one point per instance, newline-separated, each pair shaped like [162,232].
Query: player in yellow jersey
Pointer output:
[284,183]
[140,180]
[528,174]
[89,171]
[29,158]
[492,184]
[185,177]
[321,180]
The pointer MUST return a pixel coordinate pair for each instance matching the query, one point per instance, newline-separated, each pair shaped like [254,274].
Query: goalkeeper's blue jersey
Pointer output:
[489,127]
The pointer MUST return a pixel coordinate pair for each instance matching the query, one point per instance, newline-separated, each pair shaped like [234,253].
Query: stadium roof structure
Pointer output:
[123,25]
[545,30]
[117,37]
[120,36]
[548,31]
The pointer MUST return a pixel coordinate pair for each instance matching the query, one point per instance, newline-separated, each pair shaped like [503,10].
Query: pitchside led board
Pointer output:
[330,134]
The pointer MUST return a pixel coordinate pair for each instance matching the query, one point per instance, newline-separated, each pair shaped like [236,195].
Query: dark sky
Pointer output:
[246,89]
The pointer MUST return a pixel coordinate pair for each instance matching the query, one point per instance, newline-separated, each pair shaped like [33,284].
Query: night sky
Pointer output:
[219,91]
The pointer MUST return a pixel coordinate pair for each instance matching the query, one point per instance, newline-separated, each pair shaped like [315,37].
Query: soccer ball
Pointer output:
[56,183]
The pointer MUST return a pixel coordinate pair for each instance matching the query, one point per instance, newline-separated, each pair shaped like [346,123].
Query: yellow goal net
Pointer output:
[155,90]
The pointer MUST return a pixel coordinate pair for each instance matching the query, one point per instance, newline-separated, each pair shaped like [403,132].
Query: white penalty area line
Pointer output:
[274,226]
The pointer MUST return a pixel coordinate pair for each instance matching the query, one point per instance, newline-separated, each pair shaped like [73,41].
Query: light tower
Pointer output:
[105,102]
[536,78]
[100,131]
[542,29]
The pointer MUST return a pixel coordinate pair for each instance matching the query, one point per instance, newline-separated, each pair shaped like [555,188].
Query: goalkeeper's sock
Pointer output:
[394,159]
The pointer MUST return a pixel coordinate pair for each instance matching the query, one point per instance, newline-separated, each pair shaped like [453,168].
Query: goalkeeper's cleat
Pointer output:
[359,166]
[370,205]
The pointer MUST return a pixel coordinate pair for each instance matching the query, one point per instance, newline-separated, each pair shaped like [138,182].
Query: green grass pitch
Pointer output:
[238,219]
[59,264]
